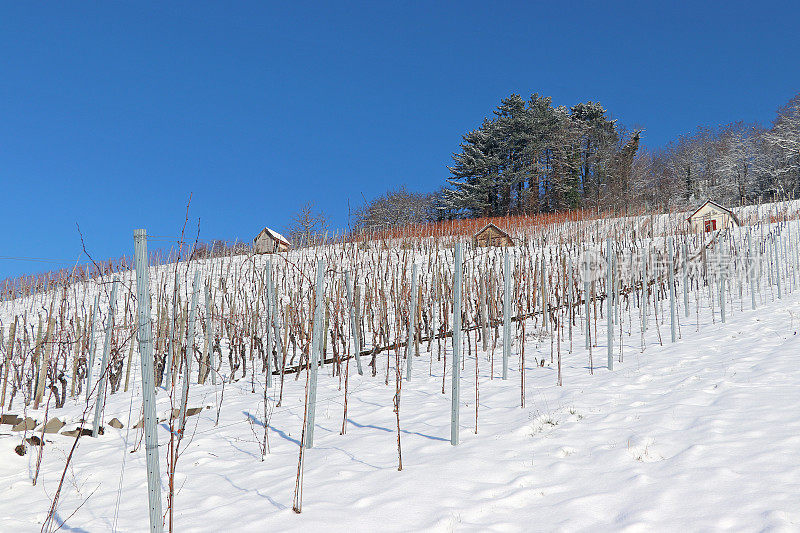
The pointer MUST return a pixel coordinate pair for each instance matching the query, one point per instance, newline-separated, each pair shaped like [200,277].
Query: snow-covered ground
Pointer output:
[698,435]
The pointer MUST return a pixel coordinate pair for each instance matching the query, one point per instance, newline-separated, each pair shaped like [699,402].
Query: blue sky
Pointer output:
[111,113]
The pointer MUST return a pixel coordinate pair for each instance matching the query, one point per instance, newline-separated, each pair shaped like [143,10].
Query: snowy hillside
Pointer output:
[699,434]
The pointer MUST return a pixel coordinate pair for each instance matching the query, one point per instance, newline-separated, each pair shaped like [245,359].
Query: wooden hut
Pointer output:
[269,242]
[711,217]
[491,235]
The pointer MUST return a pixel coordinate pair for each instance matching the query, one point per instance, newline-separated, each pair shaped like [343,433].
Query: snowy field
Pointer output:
[698,435]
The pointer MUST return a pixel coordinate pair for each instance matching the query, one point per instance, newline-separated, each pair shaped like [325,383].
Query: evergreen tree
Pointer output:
[531,157]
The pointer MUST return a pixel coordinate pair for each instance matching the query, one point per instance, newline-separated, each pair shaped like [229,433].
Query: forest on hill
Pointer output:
[532,157]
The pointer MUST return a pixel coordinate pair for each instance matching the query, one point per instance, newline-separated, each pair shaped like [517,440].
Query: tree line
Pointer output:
[533,157]
[737,163]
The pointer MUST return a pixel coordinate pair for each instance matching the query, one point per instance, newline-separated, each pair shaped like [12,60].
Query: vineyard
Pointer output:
[344,381]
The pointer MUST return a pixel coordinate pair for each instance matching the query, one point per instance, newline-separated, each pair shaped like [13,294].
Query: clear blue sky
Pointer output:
[111,113]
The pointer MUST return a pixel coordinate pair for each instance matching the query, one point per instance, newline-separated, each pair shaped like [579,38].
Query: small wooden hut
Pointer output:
[270,241]
[710,217]
[491,235]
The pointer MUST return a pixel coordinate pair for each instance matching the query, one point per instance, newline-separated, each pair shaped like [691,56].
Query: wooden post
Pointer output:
[721,289]
[788,251]
[37,351]
[316,351]
[685,281]
[506,313]
[671,278]
[609,304]
[101,385]
[145,333]
[359,333]
[9,355]
[172,333]
[207,367]
[484,311]
[44,358]
[276,333]
[615,289]
[190,345]
[570,302]
[353,323]
[777,262]
[92,345]
[751,271]
[454,408]
[646,273]
[586,289]
[643,301]
[75,353]
[269,310]
[412,322]
[130,357]
[545,313]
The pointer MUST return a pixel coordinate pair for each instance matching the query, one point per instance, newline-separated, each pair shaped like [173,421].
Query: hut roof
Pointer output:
[274,235]
[490,225]
[718,206]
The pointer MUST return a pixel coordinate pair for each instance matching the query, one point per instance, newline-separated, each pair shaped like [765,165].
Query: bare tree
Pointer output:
[308,227]
[396,209]
[784,139]
[740,159]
